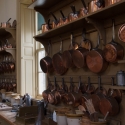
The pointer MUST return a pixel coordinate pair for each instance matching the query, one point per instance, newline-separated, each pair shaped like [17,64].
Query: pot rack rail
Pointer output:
[93,80]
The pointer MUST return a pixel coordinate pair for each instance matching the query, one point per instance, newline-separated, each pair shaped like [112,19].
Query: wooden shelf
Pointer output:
[118,87]
[121,61]
[100,15]
[8,32]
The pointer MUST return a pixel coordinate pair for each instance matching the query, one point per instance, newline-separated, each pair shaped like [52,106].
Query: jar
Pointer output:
[85,121]
[73,119]
[98,123]
[61,119]
[120,76]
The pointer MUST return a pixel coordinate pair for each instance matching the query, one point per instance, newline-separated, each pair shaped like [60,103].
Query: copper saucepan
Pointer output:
[95,59]
[67,54]
[83,11]
[53,96]
[113,51]
[46,62]
[58,63]
[115,93]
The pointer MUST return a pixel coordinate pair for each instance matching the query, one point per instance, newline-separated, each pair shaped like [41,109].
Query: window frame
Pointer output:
[39,47]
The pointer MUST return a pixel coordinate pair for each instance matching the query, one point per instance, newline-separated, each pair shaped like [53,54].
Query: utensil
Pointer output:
[67,54]
[115,93]
[95,59]
[58,62]
[113,51]
[46,62]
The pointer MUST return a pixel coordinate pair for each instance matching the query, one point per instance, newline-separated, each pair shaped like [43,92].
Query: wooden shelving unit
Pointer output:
[8,32]
[98,16]
[100,21]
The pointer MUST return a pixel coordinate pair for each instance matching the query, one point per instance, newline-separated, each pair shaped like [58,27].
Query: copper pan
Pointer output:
[64,18]
[47,91]
[115,93]
[75,96]
[56,21]
[46,62]
[57,61]
[67,54]
[73,15]
[83,87]
[100,89]
[90,88]
[84,10]
[87,95]
[79,55]
[98,95]
[113,51]
[53,96]
[109,104]
[63,90]
[121,33]
[95,59]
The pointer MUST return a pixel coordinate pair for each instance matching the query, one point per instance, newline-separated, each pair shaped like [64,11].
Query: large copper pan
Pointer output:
[113,51]
[58,63]
[95,59]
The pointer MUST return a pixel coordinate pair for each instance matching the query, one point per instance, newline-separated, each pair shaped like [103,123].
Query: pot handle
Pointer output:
[8,20]
[71,85]
[112,78]
[63,85]
[84,5]
[83,34]
[98,42]
[48,23]
[113,29]
[71,38]
[79,86]
[73,9]
[60,45]
[89,84]
[99,83]
[62,14]
[53,16]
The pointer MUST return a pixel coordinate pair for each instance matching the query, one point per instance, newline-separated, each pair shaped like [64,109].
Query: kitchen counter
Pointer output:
[9,118]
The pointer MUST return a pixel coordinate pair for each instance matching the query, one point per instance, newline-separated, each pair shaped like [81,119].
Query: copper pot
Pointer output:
[113,51]
[110,2]
[64,19]
[73,15]
[46,62]
[84,10]
[46,26]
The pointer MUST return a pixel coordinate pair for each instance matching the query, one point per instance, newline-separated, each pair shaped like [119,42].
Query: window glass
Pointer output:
[41,74]
[40,21]
[41,85]
[41,54]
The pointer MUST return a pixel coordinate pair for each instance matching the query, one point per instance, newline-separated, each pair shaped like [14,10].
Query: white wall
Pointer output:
[8,9]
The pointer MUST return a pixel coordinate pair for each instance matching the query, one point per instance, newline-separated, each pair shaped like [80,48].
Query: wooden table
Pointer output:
[9,118]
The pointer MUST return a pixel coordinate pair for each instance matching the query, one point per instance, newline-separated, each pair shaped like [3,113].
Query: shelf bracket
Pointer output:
[43,42]
[99,27]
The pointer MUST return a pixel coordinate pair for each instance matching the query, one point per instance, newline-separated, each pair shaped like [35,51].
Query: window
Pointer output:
[41,75]
[40,53]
